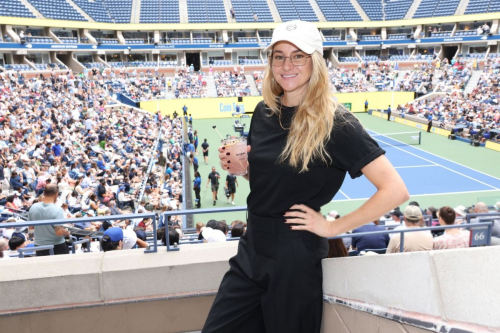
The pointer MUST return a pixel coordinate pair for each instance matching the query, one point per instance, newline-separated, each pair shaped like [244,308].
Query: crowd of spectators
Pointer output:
[148,84]
[414,217]
[475,114]
[231,83]
[62,131]
[189,84]
[455,75]
[258,76]
[346,80]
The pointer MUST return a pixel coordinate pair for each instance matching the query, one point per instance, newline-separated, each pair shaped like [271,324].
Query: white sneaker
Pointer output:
[232,203]
[228,200]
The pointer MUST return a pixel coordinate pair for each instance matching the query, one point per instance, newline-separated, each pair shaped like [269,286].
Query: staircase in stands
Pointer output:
[474,79]
[360,10]
[31,8]
[135,15]
[183,11]
[211,88]
[317,11]
[462,6]
[251,83]
[274,11]
[227,7]
[413,8]
[79,10]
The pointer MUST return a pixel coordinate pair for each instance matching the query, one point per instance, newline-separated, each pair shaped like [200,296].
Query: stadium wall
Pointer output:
[129,291]
[492,145]
[35,22]
[209,108]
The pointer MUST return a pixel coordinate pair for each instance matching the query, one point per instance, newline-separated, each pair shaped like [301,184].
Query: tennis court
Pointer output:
[438,172]
[424,173]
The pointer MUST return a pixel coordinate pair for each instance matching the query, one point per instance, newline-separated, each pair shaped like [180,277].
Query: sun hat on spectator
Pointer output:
[413,213]
[302,34]
[460,210]
[213,235]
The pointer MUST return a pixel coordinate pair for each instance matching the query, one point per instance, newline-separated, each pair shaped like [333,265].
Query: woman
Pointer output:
[11,205]
[102,193]
[62,184]
[451,238]
[79,189]
[301,145]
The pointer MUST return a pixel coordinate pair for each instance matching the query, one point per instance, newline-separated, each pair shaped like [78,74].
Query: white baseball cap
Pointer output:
[302,34]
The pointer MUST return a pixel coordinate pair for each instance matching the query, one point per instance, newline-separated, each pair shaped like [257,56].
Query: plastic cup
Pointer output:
[237,159]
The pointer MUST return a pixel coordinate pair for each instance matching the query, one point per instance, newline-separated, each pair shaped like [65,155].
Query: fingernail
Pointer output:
[228,153]
[223,148]
[228,162]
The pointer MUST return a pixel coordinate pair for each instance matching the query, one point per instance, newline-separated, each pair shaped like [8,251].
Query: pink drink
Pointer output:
[236,162]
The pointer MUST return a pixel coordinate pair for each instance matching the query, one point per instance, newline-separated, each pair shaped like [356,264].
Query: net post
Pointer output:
[419,137]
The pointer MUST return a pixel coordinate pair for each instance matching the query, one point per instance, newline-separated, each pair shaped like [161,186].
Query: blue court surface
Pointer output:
[423,173]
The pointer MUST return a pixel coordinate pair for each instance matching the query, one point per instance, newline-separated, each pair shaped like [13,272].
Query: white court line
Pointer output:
[444,158]
[442,166]
[421,195]
[417,166]
[345,195]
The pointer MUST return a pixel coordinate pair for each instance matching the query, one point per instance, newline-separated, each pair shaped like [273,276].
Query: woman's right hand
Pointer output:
[225,161]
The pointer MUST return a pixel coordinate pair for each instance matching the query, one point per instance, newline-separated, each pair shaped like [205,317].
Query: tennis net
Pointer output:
[398,139]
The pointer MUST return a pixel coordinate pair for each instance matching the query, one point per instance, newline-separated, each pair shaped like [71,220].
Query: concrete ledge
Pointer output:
[458,288]
[437,291]
[94,278]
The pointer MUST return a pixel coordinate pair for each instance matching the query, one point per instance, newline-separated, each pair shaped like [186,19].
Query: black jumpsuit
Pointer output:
[275,281]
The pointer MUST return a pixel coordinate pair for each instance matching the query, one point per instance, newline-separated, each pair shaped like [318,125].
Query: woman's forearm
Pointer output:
[379,204]
[391,192]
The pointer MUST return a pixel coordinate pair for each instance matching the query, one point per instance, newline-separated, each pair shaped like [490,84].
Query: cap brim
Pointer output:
[302,45]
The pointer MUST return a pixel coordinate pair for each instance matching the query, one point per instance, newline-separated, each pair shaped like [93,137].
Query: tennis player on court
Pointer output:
[302,145]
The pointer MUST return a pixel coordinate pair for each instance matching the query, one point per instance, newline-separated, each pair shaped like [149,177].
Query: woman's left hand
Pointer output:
[308,220]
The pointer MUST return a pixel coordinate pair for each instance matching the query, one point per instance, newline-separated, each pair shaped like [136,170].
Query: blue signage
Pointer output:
[479,236]
[114,47]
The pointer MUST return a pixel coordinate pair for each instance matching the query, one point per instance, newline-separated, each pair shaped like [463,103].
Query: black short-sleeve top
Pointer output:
[275,187]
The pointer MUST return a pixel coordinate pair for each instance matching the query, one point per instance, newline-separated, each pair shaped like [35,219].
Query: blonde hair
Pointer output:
[313,120]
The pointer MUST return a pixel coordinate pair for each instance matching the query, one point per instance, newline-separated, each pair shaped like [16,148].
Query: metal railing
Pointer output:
[470,216]
[185,169]
[75,243]
[35,249]
[480,232]
[484,237]
[152,162]
[93,219]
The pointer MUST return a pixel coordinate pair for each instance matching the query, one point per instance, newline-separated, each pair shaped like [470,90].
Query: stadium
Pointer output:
[110,111]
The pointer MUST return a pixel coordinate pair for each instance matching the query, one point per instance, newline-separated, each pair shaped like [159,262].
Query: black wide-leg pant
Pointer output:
[274,283]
